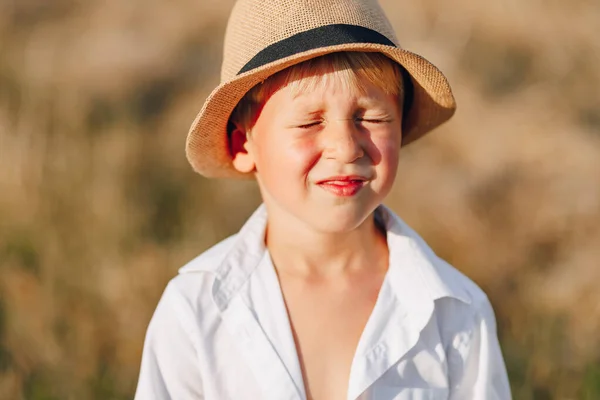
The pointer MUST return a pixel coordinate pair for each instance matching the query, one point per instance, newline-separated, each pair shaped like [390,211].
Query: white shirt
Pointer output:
[221,331]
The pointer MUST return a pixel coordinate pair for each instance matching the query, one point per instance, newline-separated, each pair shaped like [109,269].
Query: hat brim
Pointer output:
[207,144]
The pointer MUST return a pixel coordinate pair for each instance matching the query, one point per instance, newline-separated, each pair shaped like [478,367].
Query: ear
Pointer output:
[242,158]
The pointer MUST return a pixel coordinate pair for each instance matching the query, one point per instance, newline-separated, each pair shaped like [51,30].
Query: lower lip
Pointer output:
[343,189]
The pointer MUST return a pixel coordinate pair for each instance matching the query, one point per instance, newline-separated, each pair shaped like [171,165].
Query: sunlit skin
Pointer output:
[328,254]
[301,139]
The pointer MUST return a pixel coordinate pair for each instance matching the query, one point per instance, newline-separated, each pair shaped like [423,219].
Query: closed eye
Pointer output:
[309,125]
[373,120]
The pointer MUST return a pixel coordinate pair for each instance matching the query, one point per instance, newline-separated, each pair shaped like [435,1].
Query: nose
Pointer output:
[341,141]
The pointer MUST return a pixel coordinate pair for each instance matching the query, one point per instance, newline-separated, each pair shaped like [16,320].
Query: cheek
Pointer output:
[388,150]
[306,154]
[385,148]
[287,157]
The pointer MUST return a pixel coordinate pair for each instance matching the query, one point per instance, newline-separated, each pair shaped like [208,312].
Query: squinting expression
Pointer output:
[326,157]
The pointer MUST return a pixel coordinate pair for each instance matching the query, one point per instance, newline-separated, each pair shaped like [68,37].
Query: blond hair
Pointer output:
[353,69]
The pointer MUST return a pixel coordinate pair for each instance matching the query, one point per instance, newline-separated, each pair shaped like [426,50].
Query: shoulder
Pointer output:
[209,260]
[454,315]
[192,287]
[442,279]
[457,297]
[474,295]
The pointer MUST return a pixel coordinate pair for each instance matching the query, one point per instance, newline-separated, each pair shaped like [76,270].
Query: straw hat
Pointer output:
[265,36]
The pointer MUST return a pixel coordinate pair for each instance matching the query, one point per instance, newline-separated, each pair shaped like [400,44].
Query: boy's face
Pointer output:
[324,157]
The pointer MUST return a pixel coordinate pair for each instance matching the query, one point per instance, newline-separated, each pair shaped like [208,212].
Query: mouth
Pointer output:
[343,186]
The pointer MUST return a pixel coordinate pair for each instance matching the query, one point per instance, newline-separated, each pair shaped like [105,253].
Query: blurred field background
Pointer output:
[99,208]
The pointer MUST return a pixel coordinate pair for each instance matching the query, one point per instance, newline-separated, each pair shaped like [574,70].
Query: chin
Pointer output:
[338,221]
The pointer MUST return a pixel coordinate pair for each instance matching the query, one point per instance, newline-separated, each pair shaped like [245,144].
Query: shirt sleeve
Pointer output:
[476,365]
[170,368]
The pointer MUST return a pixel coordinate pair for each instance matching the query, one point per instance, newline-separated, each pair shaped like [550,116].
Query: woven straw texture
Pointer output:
[256,24]
[272,21]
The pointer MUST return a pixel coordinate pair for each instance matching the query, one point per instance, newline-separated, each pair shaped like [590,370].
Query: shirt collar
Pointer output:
[416,273]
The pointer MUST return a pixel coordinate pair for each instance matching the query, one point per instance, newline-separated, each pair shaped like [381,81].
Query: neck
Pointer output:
[300,251]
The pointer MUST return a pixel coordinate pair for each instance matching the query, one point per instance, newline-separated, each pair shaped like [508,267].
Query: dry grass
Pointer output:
[98,207]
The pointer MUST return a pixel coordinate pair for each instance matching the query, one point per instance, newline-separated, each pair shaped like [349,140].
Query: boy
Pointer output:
[324,294]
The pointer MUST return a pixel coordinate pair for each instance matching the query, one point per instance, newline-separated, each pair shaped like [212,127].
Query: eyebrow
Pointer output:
[309,109]
[366,102]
